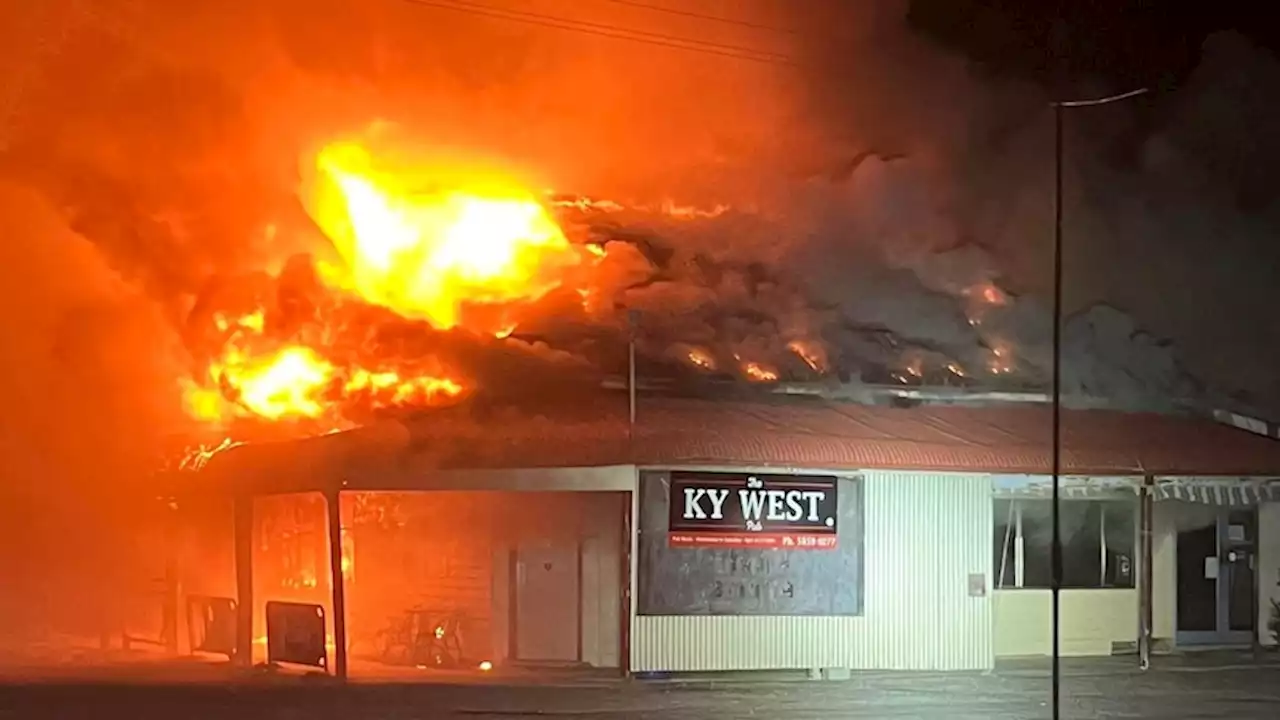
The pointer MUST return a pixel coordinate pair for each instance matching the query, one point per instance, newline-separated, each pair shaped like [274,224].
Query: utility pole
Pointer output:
[1059,120]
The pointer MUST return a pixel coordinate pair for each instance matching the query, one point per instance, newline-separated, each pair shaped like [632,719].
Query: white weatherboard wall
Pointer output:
[1268,566]
[925,534]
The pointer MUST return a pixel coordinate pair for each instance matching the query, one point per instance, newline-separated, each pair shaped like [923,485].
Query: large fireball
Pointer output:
[426,247]
[429,252]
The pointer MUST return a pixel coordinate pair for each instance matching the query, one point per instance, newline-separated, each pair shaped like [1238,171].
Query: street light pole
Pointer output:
[1059,111]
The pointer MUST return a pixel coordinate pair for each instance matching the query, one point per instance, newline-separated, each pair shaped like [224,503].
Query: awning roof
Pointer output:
[809,434]
[1205,490]
[1217,493]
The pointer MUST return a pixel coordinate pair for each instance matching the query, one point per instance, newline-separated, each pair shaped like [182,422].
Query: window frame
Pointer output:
[1014,535]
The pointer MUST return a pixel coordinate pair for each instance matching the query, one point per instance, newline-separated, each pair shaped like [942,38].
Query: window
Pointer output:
[1097,543]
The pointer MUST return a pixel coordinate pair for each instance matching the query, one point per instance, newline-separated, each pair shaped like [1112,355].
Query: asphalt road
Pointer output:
[1173,694]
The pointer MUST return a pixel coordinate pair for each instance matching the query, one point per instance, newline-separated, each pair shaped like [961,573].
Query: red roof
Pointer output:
[846,436]
[808,433]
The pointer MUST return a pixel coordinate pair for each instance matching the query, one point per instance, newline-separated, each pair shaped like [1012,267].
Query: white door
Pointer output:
[547,622]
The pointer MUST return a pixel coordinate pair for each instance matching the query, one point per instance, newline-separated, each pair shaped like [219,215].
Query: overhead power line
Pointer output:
[703,16]
[616,32]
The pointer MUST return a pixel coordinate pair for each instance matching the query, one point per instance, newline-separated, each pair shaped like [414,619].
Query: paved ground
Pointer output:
[1178,690]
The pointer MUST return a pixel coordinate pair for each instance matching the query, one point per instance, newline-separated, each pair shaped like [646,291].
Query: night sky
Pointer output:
[1128,42]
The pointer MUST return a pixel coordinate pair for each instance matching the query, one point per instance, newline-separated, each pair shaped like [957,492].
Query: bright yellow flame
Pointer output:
[202,403]
[296,381]
[287,384]
[400,391]
[428,255]
[485,666]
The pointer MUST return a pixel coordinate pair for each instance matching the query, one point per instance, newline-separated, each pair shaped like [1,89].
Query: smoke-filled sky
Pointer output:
[892,164]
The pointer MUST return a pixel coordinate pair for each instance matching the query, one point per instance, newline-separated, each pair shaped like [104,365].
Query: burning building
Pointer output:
[747,534]
[474,315]
[413,433]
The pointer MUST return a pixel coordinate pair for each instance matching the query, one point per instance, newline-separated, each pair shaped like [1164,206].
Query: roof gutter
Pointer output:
[1248,424]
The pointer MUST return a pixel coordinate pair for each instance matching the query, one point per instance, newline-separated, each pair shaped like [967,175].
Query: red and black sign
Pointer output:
[738,510]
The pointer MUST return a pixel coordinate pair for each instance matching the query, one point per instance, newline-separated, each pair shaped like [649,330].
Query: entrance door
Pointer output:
[1216,589]
[547,603]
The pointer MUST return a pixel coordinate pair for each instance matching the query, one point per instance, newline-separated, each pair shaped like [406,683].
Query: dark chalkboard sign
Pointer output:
[296,633]
[698,579]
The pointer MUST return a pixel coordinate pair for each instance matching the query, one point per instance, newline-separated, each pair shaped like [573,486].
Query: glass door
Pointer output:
[1216,582]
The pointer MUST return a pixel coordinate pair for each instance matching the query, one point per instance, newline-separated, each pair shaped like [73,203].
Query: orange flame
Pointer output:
[200,455]
[702,359]
[415,390]
[759,373]
[453,249]
[667,207]
[813,354]
[255,377]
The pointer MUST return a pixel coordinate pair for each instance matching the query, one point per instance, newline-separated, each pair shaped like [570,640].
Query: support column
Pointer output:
[1146,519]
[624,619]
[172,587]
[244,580]
[333,503]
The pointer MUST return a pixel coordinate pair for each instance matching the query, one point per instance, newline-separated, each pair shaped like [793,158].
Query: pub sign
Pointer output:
[754,510]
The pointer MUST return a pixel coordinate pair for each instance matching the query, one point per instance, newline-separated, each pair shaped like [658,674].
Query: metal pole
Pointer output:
[1255,596]
[1055,552]
[172,581]
[333,504]
[632,319]
[631,381]
[1146,592]
[244,580]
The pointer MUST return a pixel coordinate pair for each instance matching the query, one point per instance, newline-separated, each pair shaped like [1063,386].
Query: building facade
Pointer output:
[920,548]
[812,536]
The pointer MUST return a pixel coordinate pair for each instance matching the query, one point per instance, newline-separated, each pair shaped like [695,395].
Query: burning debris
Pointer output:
[813,354]
[759,373]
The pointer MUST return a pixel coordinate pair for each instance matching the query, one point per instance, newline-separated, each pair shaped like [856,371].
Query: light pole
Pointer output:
[1059,111]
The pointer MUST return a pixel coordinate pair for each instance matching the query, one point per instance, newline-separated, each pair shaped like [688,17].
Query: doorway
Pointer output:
[547,603]
[1215,577]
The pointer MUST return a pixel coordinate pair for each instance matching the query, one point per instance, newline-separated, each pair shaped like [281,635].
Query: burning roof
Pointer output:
[399,277]
[425,282]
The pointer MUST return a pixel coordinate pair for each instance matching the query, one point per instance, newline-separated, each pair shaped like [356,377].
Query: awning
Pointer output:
[1069,488]
[1067,492]
[1203,490]
[1216,492]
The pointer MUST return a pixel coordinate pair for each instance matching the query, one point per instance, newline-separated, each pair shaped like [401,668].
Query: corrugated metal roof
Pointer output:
[809,434]
[816,434]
